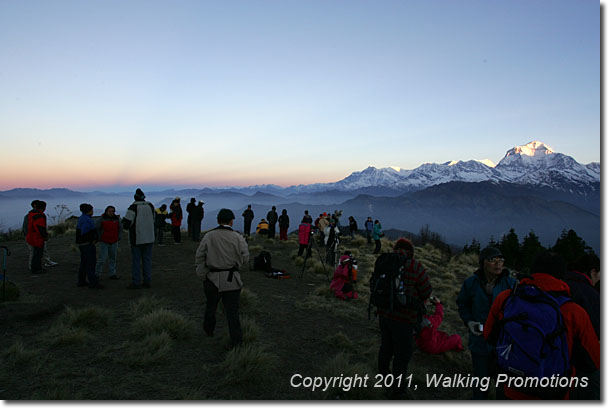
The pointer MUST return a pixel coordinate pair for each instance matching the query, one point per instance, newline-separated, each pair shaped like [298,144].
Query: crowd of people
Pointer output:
[495,307]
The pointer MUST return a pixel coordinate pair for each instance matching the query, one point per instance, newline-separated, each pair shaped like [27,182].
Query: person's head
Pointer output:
[273,208]
[193,200]
[404,247]
[376,221]
[139,195]
[550,263]
[110,210]
[306,212]
[587,264]
[249,206]
[33,203]
[41,206]
[163,207]
[177,199]
[284,212]
[491,261]
[86,209]
[201,203]
[369,219]
[225,217]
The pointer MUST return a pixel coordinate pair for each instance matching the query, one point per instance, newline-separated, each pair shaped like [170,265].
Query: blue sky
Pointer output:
[202,93]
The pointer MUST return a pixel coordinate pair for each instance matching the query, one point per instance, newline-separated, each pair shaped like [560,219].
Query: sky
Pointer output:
[101,94]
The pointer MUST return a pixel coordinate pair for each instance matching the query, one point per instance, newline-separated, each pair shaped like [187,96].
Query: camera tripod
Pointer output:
[308,255]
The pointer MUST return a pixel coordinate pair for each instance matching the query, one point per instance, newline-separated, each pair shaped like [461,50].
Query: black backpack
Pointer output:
[386,284]
[263,261]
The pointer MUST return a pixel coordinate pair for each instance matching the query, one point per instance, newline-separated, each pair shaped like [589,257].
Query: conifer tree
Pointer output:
[530,247]
[509,245]
[570,246]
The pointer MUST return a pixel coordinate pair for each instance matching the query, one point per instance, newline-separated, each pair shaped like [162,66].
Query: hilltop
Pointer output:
[65,342]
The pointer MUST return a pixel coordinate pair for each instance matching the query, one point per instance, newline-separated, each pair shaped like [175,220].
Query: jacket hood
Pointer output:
[547,283]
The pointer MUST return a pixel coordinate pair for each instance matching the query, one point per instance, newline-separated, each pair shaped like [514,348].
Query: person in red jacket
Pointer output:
[583,347]
[433,341]
[109,231]
[37,235]
[342,284]
[176,218]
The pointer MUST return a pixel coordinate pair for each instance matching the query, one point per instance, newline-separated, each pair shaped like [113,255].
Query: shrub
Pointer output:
[145,305]
[151,349]
[247,365]
[162,320]
[91,317]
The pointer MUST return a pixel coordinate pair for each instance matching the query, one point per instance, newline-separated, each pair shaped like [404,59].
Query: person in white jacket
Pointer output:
[220,254]
[140,221]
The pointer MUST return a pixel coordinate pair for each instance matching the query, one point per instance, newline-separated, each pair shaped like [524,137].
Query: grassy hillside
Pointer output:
[65,342]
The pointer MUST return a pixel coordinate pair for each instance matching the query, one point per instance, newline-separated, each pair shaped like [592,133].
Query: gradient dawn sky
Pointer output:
[98,94]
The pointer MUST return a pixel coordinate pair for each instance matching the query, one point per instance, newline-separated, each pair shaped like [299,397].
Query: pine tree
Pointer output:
[509,245]
[530,247]
[570,246]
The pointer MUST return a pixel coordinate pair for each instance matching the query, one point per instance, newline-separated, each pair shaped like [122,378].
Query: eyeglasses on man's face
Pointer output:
[497,259]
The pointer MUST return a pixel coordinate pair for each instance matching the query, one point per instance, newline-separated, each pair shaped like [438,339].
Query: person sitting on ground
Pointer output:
[344,277]
[263,227]
[430,339]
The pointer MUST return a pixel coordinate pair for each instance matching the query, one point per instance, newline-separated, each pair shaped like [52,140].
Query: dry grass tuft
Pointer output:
[91,317]
[17,355]
[247,365]
[162,320]
[152,349]
[144,305]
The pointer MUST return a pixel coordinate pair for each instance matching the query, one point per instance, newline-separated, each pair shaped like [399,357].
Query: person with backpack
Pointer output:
[220,255]
[197,214]
[377,235]
[37,235]
[322,225]
[307,218]
[140,221]
[430,339]
[160,216]
[176,219]
[368,226]
[474,302]
[305,234]
[109,232]
[272,219]
[284,223]
[86,238]
[262,228]
[248,215]
[539,332]
[399,287]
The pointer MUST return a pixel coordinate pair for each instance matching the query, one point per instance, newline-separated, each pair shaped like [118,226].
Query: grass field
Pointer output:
[64,342]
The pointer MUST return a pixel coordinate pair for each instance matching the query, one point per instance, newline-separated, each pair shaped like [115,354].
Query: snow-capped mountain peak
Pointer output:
[531,149]
[487,162]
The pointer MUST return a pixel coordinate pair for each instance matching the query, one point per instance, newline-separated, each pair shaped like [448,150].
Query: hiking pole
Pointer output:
[6,254]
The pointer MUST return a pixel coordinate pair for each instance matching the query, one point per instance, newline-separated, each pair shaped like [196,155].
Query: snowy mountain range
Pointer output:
[534,164]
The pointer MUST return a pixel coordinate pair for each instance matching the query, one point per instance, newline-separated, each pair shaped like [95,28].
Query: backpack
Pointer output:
[386,283]
[532,339]
[263,261]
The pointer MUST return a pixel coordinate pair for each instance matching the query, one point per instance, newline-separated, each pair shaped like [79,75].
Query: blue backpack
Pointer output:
[532,338]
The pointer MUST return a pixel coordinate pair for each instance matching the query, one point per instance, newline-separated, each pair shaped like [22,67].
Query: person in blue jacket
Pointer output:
[474,303]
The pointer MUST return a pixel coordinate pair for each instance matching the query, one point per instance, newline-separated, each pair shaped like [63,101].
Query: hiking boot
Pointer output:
[146,285]
[113,277]
[133,286]
[96,286]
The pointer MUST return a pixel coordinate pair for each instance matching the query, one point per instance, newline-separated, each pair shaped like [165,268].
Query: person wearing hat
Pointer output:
[86,238]
[474,303]
[272,219]
[37,235]
[189,209]
[196,218]
[140,221]
[220,254]
[396,325]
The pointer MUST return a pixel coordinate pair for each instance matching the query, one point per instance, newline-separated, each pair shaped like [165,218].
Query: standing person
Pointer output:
[272,219]
[581,343]
[86,238]
[46,259]
[248,215]
[196,218]
[37,235]
[368,225]
[220,254]
[189,219]
[160,216]
[397,325]
[284,222]
[474,302]
[304,238]
[377,234]
[582,289]
[353,226]
[109,232]
[140,221]
[176,218]
[322,225]
[307,218]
